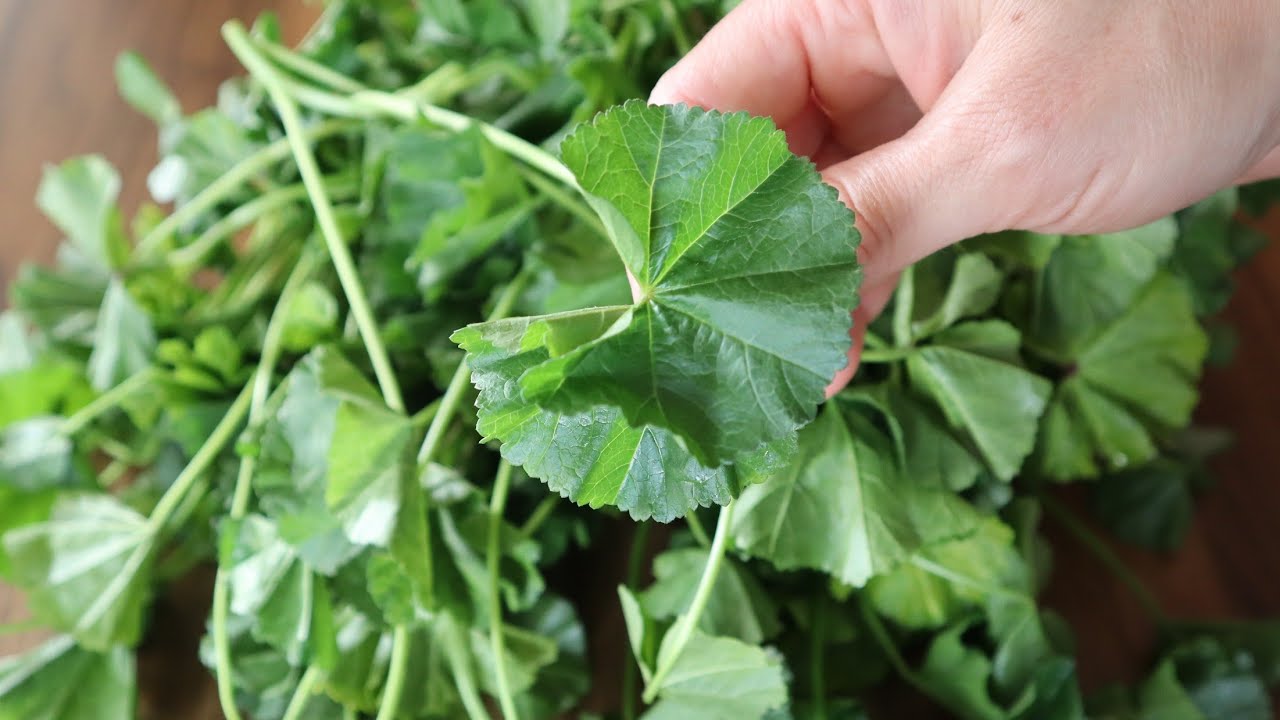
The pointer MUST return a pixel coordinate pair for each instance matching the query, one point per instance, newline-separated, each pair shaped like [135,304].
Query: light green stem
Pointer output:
[271,343]
[305,66]
[302,694]
[684,627]
[229,182]
[106,401]
[539,515]
[200,462]
[240,43]
[397,673]
[886,355]
[695,528]
[497,506]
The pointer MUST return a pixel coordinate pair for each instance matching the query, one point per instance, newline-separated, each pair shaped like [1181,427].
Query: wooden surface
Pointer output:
[57,99]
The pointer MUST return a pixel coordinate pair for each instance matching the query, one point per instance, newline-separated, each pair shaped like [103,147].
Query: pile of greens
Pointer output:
[381,367]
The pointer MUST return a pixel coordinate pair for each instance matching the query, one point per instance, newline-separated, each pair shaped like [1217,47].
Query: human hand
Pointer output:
[939,121]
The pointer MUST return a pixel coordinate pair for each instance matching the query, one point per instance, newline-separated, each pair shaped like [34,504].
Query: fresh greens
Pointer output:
[382,351]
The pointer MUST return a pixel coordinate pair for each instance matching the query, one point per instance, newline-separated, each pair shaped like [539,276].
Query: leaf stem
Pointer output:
[567,201]
[302,694]
[539,516]
[187,258]
[397,673]
[229,182]
[635,565]
[271,344]
[1098,549]
[498,506]
[881,634]
[307,67]
[695,528]
[243,47]
[684,627]
[106,402]
[200,462]
[886,355]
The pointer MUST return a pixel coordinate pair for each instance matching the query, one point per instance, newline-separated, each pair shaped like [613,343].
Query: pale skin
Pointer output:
[938,120]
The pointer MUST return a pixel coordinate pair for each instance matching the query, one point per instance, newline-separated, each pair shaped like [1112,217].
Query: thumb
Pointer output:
[928,189]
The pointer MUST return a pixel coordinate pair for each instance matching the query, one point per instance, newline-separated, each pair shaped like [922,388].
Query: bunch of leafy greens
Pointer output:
[390,305]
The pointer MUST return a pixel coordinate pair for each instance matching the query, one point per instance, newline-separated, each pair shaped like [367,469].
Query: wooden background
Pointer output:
[57,99]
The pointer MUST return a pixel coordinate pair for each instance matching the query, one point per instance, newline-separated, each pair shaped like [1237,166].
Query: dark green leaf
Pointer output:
[716,192]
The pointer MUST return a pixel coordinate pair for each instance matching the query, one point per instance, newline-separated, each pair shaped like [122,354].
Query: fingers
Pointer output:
[1265,169]
[784,59]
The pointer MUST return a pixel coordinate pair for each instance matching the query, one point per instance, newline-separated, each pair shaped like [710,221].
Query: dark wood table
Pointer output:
[58,99]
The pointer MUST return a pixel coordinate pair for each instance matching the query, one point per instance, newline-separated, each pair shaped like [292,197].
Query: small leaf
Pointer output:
[35,455]
[87,569]
[123,341]
[60,681]
[718,678]
[843,507]
[739,607]
[958,675]
[79,196]
[996,403]
[367,460]
[147,93]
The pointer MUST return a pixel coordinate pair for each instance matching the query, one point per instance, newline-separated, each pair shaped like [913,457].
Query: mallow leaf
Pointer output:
[738,607]
[593,457]
[87,569]
[1090,279]
[79,196]
[1136,377]
[972,372]
[746,272]
[720,678]
[843,505]
[61,681]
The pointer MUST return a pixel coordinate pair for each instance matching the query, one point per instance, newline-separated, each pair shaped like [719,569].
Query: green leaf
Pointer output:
[738,607]
[747,275]
[720,678]
[843,506]
[1149,506]
[1030,250]
[19,509]
[1137,376]
[950,286]
[370,454]
[1091,279]
[957,676]
[18,350]
[274,591]
[1220,684]
[310,319]
[87,569]
[60,681]
[147,93]
[79,196]
[47,388]
[994,402]
[123,341]
[945,581]
[35,454]
[593,457]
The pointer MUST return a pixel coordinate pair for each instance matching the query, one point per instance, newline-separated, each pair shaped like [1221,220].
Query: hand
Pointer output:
[938,121]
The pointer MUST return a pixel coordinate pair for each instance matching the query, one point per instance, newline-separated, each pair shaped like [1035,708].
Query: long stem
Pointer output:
[571,204]
[188,257]
[695,528]
[200,462]
[397,673]
[229,182]
[240,43]
[307,67]
[635,565]
[881,634]
[106,401]
[493,553]
[1094,545]
[461,379]
[271,344]
[302,694]
[539,515]
[886,355]
[684,627]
